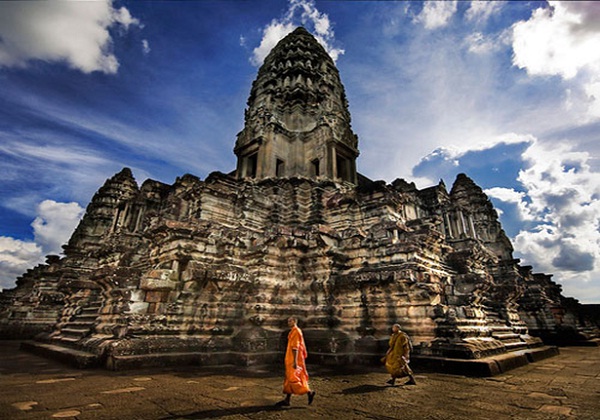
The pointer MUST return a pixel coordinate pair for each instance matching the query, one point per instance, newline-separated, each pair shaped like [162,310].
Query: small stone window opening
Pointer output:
[279,168]
[251,165]
[314,167]
[343,168]
[133,221]
[119,216]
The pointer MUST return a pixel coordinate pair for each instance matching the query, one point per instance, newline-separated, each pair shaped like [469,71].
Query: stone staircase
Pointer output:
[500,331]
[67,343]
[81,324]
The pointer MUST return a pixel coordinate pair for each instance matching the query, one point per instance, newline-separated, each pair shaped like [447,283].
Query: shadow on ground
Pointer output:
[222,412]
[363,389]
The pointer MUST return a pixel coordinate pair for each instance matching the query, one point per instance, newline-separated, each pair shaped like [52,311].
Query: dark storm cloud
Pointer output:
[572,259]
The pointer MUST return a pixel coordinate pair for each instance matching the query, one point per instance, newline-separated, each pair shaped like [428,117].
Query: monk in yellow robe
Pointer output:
[296,376]
[397,357]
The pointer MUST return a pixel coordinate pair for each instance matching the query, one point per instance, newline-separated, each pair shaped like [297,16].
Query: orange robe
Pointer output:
[396,361]
[296,380]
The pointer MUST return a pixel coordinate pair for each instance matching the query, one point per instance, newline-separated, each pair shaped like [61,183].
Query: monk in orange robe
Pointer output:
[296,376]
[397,357]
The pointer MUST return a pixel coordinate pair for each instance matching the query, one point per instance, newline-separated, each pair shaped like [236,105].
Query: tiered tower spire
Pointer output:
[297,122]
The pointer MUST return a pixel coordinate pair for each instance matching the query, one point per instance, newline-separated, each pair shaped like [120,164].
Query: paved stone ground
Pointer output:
[31,387]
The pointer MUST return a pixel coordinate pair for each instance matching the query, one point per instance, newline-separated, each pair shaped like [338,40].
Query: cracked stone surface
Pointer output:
[564,387]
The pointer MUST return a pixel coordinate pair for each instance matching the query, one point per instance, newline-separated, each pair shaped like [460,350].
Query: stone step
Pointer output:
[91,308]
[89,311]
[488,366]
[506,336]
[515,345]
[498,325]
[73,357]
[77,323]
[83,317]
[500,329]
[68,338]
[72,330]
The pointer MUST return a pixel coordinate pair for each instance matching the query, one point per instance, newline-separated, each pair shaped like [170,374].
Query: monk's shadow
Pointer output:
[222,412]
[363,389]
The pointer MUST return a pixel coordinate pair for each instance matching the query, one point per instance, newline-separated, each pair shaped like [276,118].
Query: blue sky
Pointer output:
[507,92]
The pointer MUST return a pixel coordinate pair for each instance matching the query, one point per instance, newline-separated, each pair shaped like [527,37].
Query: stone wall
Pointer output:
[208,272]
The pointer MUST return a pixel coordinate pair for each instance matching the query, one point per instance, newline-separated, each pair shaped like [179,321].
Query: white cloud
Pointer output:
[558,177]
[54,162]
[52,228]
[480,11]
[145,46]
[299,13]
[559,40]
[16,257]
[479,43]
[560,207]
[421,92]
[565,199]
[557,204]
[272,34]
[592,91]
[55,224]
[64,155]
[490,142]
[584,286]
[563,40]
[509,195]
[533,246]
[123,17]
[436,14]
[74,32]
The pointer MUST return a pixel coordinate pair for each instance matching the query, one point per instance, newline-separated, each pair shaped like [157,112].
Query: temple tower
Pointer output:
[297,122]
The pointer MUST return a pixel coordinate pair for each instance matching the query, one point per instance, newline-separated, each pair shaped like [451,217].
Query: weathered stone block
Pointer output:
[138,307]
[153,296]
[157,284]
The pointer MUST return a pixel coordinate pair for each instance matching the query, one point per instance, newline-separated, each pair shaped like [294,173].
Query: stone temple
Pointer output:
[207,271]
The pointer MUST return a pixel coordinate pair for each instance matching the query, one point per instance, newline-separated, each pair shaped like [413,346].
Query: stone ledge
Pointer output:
[488,366]
[116,362]
[82,360]
[76,358]
[483,367]
[541,353]
[593,342]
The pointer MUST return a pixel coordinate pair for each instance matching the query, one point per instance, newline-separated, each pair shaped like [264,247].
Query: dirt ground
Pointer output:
[31,387]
